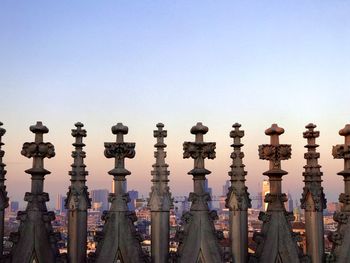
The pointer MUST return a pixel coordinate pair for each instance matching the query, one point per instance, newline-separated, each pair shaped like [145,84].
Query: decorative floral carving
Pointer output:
[119,150]
[41,150]
[341,217]
[341,151]
[198,150]
[275,153]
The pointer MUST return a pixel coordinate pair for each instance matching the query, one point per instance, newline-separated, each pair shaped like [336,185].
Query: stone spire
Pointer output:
[78,200]
[160,200]
[35,240]
[341,237]
[4,201]
[313,199]
[276,242]
[198,241]
[238,200]
[119,241]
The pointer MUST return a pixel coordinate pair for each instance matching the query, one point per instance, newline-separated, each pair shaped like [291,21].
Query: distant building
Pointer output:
[222,203]
[259,201]
[225,187]
[14,206]
[134,195]
[297,212]
[181,205]
[60,202]
[100,196]
[140,203]
[289,204]
[265,191]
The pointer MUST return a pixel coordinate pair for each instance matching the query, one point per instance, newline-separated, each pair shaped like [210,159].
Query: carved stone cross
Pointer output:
[78,154]
[119,150]
[160,134]
[78,134]
[275,152]
[38,150]
[199,150]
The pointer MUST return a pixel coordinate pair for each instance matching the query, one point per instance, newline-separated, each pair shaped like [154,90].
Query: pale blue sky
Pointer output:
[179,62]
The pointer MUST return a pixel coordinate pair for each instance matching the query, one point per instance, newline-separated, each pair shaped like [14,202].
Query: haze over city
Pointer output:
[175,62]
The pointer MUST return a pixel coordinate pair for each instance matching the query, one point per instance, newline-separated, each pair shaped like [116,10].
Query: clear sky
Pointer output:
[176,62]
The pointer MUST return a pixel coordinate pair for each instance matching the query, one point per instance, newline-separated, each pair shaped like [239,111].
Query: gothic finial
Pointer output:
[2,130]
[341,237]
[199,130]
[238,200]
[236,134]
[313,199]
[119,150]
[160,134]
[199,235]
[160,200]
[346,133]
[78,134]
[119,229]
[199,150]
[35,237]
[275,152]
[120,130]
[78,201]
[237,173]
[78,167]
[312,172]
[4,200]
[2,165]
[342,151]
[160,197]
[38,150]
[282,240]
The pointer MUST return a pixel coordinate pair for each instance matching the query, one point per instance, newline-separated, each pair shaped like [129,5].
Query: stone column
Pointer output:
[160,201]
[4,200]
[276,242]
[78,200]
[198,241]
[35,239]
[119,239]
[313,199]
[238,200]
[341,237]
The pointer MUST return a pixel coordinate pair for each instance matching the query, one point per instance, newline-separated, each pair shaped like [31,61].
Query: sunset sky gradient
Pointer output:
[176,62]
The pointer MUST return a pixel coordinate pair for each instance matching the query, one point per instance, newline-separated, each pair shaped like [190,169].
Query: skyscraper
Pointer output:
[133,194]
[100,196]
[60,201]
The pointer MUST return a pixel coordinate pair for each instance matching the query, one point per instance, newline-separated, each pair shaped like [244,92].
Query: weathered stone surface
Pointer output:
[238,200]
[313,199]
[78,201]
[119,239]
[341,237]
[198,239]
[160,201]
[4,200]
[35,239]
[276,242]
